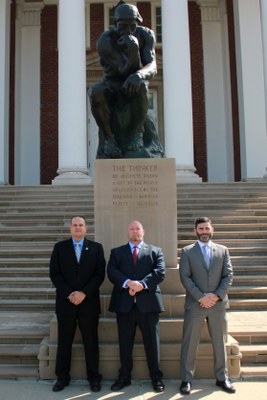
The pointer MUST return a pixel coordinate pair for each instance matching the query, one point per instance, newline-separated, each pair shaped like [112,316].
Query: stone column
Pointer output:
[251,94]
[4,88]
[263,5]
[217,91]
[27,102]
[178,124]
[73,164]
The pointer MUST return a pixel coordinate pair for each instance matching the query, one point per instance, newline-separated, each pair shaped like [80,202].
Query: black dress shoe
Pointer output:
[185,388]
[120,384]
[59,385]
[158,386]
[226,386]
[95,386]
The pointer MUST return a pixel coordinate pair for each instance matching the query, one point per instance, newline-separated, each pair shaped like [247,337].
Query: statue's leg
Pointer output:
[100,104]
[139,110]
[101,97]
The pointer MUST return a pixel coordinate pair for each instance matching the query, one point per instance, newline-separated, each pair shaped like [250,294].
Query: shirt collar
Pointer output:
[139,245]
[201,244]
[80,242]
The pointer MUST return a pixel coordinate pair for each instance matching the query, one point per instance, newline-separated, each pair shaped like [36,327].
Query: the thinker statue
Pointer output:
[120,102]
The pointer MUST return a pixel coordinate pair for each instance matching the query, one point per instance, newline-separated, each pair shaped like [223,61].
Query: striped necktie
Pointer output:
[78,251]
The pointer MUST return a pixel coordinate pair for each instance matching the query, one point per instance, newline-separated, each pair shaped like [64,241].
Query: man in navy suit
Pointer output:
[206,273]
[136,269]
[77,269]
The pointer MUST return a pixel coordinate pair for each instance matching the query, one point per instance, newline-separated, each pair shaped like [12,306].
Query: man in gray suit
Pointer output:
[206,273]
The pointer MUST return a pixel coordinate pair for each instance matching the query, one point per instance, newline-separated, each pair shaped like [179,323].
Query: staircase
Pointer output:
[32,219]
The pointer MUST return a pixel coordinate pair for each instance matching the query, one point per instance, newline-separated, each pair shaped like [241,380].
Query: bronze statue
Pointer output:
[120,102]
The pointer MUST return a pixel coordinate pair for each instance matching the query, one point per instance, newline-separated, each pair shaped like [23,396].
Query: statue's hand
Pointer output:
[128,42]
[133,83]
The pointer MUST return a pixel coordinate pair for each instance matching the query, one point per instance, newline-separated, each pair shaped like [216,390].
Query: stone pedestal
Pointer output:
[136,189]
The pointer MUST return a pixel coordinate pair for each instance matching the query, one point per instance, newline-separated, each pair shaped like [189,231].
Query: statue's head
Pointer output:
[127,18]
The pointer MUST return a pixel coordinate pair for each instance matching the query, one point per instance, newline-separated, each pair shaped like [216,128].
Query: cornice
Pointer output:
[210,10]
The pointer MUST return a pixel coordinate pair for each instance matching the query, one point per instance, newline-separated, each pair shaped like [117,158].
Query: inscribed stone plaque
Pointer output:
[136,189]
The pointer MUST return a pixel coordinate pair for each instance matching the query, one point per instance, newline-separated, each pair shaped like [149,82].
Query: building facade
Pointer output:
[208,98]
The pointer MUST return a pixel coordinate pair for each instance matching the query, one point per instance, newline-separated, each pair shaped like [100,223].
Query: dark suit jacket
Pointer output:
[198,279]
[68,276]
[150,268]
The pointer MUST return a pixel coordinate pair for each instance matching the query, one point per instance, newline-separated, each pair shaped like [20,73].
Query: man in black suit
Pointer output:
[136,269]
[206,273]
[77,276]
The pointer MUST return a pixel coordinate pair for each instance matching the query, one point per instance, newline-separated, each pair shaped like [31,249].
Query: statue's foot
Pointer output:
[137,143]
[111,149]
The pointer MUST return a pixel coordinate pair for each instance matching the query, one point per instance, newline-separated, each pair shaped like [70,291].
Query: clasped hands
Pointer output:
[76,298]
[208,300]
[134,287]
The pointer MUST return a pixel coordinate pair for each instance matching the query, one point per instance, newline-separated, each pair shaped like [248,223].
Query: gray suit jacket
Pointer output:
[198,279]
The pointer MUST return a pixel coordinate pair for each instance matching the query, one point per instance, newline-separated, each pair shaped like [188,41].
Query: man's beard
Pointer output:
[204,238]
[136,239]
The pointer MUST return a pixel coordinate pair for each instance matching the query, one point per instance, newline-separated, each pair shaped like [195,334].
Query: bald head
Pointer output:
[136,232]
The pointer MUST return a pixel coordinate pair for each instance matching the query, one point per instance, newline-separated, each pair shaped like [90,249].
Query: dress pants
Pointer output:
[89,330]
[193,324]
[149,326]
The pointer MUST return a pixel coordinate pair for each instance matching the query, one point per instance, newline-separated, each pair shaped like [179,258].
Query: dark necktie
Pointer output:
[135,254]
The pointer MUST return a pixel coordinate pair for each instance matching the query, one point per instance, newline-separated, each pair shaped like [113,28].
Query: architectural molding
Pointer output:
[29,14]
[210,10]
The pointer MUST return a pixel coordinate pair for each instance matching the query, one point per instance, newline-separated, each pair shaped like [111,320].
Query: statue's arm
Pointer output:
[148,55]
[111,59]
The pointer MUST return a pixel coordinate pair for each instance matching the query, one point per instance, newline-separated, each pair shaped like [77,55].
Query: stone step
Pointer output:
[222,217]
[173,304]
[22,262]
[20,327]
[248,292]
[244,260]
[239,304]
[170,331]
[253,354]
[23,273]
[45,225]
[220,236]
[50,216]
[40,210]
[243,251]
[250,280]
[16,331]
[234,242]
[45,249]
[15,371]
[253,371]
[43,241]
[109,360]
[19,354]
[40,202]
[18,235]
[49,292]
[26,305]
[230,207]
[250,269]
[21,282]
[40,239]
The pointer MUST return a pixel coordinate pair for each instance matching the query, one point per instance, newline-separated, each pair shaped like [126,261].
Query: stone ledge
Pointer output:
[109,361]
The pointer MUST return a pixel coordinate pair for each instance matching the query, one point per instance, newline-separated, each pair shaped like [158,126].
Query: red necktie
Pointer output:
[135,254]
